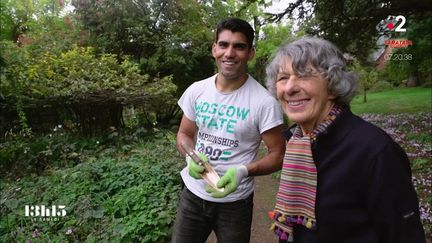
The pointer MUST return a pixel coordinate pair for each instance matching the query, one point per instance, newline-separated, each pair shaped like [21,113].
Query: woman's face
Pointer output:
[305,100]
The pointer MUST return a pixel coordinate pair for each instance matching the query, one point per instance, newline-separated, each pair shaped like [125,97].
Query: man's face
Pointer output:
[231,53]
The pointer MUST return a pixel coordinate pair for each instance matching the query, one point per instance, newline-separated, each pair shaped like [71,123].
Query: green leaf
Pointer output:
[12,203]
[98,214]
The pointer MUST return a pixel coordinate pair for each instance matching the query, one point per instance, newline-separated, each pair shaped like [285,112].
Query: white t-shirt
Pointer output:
[229,129]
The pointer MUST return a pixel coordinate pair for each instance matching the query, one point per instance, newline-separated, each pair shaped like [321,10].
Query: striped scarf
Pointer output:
[295,200]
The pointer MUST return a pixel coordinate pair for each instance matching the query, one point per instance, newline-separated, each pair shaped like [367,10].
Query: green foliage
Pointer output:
[427,84]
[274,35]
[367,78]
[394,76]
[420,165]
[123,192]
[381,86]
[351,24]
[77,78]
[7,24]
[419,32]
[423,138]
[35,17]
[396,72]
[75,75]
[21,154]
[165,37]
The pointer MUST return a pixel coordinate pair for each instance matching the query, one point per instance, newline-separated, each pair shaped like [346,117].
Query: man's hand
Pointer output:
[196,170]
[230,181]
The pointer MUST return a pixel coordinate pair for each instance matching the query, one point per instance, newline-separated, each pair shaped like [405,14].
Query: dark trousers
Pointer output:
[196,218]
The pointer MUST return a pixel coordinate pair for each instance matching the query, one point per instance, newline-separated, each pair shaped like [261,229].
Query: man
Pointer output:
[225,118]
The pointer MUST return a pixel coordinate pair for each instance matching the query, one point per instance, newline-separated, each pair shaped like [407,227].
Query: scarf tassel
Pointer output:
[290,220]
[281,234]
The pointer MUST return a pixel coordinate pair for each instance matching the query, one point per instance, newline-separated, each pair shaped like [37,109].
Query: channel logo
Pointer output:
[45,213]
[392,24]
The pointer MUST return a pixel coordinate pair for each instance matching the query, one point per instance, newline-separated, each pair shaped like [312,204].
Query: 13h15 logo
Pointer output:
[45,213]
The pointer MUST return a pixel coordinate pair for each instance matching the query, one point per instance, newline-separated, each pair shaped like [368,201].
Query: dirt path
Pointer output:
[265,194]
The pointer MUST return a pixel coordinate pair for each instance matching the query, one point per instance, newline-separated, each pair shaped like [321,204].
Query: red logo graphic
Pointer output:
[398,43]
[390,26]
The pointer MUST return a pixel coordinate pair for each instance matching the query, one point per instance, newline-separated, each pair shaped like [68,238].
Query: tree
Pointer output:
[272,37]
[25,16]
[414,62]
[166,38]
[7,25]
[351,24]
[367,78]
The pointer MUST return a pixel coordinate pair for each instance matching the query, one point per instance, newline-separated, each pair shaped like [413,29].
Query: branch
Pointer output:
[301,5]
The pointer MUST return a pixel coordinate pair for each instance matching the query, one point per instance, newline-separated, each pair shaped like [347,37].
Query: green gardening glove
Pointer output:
[196,170]
[230,181]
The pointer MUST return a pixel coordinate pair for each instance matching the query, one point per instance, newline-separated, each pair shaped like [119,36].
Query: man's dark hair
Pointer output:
[236,25]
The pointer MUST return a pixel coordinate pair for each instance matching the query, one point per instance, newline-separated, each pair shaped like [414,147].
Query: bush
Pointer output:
[427,84]
[381,86]
[87,89]
[126,192]
[22,154]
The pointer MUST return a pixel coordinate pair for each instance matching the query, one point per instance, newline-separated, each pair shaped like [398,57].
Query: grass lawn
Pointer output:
[399,100]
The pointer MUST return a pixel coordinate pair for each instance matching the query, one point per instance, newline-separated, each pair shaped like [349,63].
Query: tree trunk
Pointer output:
[364,96]
[413,80]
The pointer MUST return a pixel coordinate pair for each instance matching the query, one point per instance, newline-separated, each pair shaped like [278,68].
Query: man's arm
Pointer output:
[275,142]
[185,134]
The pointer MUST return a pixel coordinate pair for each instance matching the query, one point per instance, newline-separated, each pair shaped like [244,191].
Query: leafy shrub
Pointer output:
[394,73]
[87,89]
[127,192]
[381,86]
[427,84]
[74,74]
[22,154]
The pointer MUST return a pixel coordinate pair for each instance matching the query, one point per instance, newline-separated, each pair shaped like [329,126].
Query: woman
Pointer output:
[343,179]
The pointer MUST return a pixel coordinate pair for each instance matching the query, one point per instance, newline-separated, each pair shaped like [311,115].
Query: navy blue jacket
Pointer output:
[365,193]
